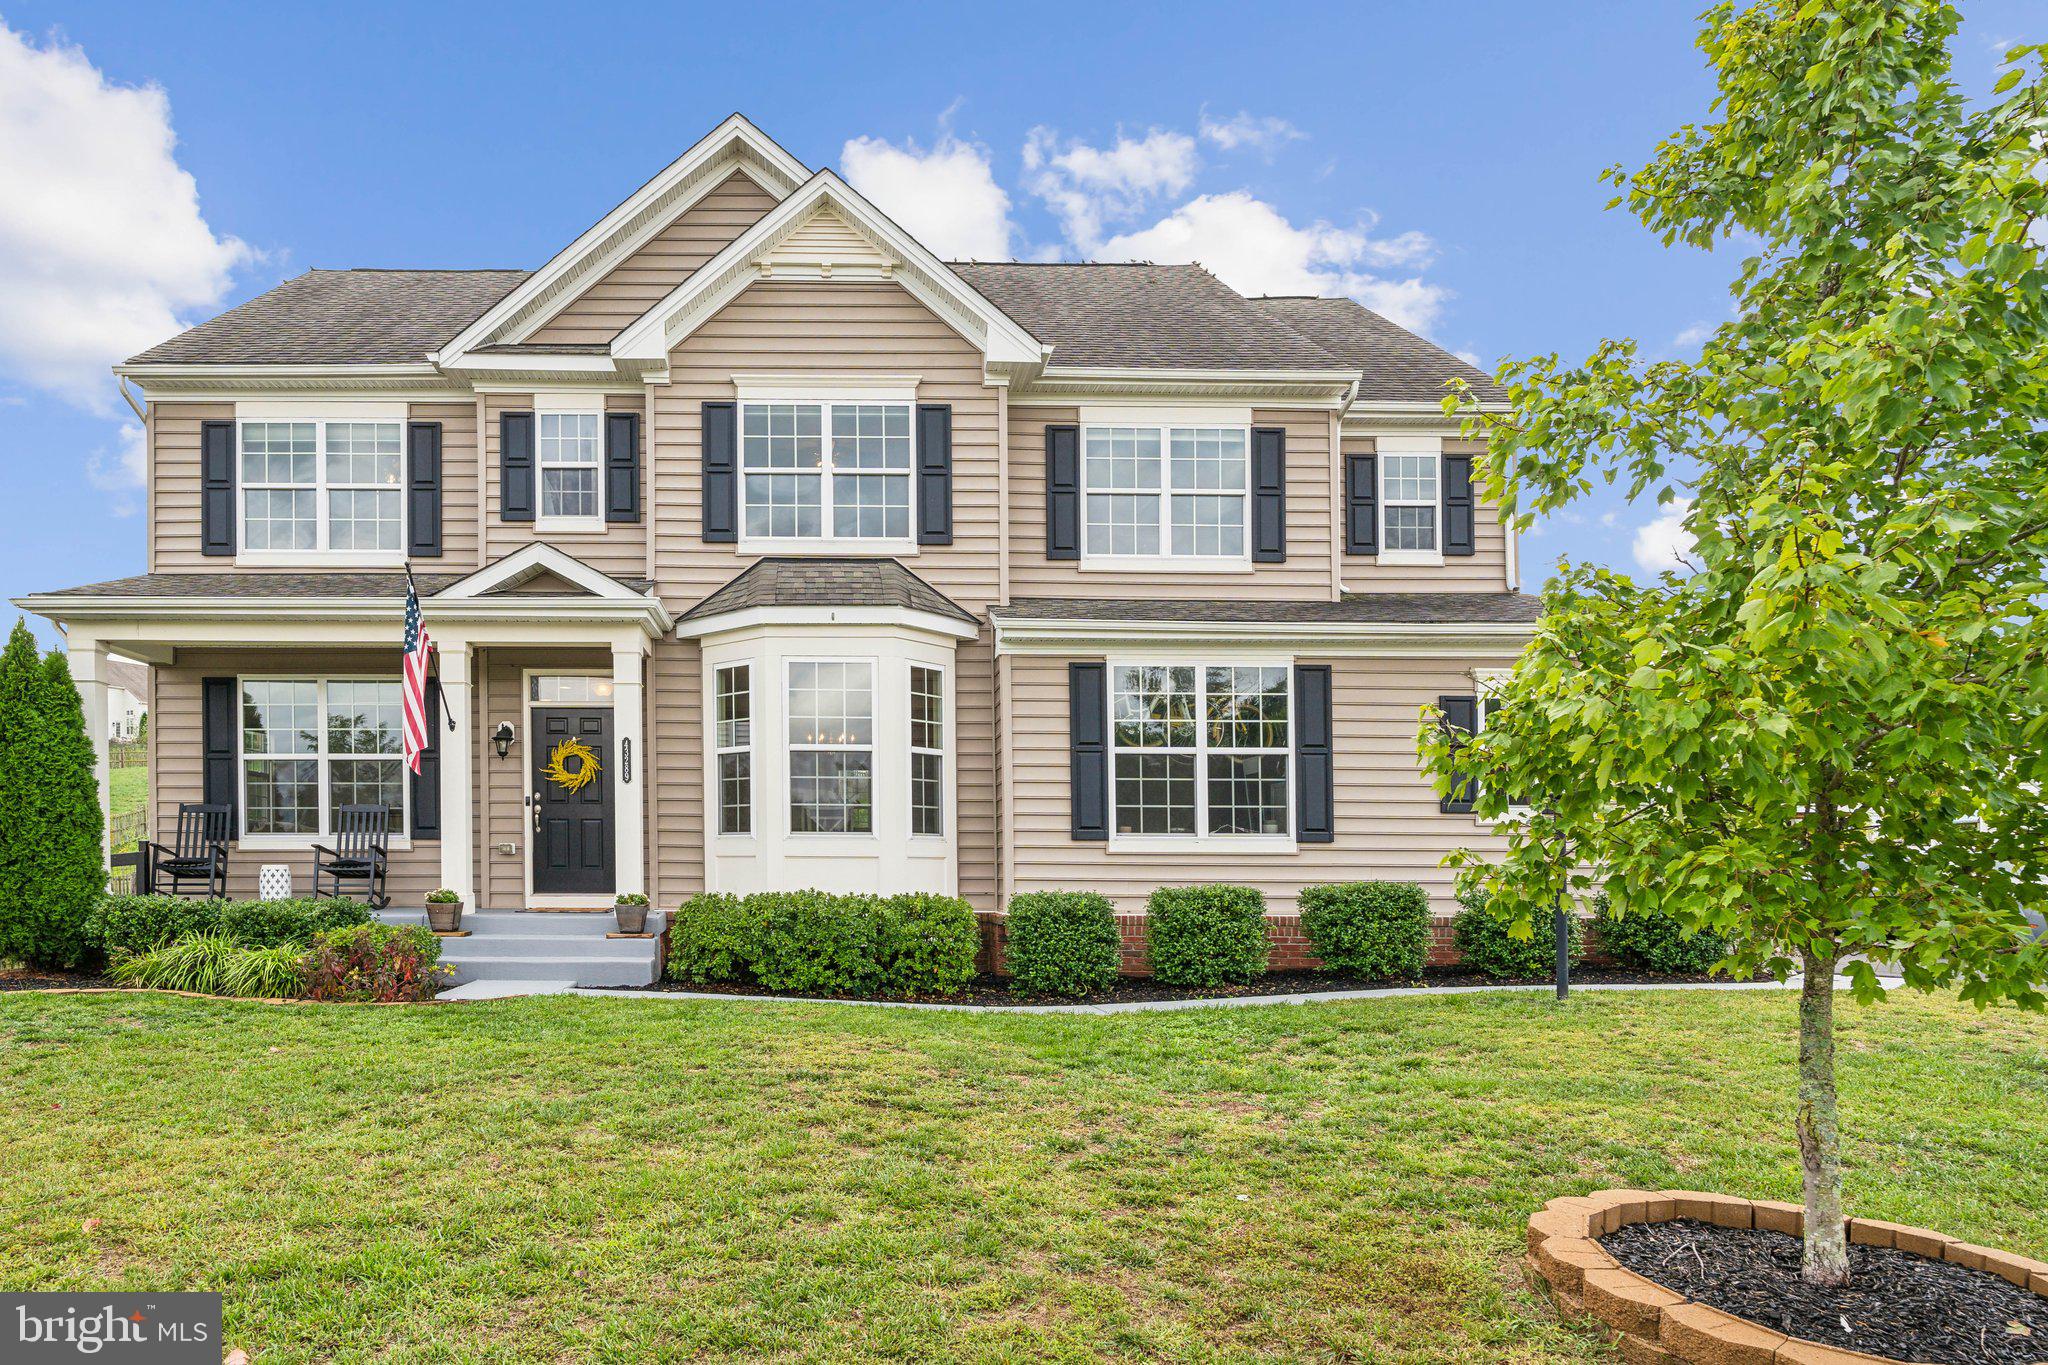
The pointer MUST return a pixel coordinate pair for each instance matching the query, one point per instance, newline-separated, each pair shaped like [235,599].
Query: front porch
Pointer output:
[545,949]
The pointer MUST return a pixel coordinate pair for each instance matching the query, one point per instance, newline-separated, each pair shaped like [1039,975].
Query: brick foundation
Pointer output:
[1289,946]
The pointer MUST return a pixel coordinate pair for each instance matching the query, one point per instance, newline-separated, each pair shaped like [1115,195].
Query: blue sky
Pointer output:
[1438,160]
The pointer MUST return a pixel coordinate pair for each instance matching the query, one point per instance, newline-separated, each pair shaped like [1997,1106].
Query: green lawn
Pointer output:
[575,1179]
[128,788]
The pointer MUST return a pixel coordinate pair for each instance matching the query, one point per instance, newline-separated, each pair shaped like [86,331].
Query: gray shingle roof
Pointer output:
[1377,608]
[1152,316]
[806,582]
[243,586]
[341,317]
[1399,366]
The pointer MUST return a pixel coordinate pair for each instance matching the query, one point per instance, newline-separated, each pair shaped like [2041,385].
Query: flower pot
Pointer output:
[444,917]
[632,919]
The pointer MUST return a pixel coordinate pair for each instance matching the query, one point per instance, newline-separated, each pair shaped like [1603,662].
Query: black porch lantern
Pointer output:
[501,739]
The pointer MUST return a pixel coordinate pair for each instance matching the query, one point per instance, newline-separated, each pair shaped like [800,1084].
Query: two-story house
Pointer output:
[852,567]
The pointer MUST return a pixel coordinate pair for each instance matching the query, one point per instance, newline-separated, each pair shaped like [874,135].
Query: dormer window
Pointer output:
[312,486]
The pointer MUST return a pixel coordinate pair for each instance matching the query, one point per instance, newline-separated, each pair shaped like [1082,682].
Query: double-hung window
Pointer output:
[735,747]
[831,746]
[312,486]
[927,750]
[312,745]
[1489,703]
[1410,506]
[567,459]
[1201,749]
[826,471]
[1173,492]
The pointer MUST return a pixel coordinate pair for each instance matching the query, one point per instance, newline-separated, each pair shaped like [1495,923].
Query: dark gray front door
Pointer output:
[572,824]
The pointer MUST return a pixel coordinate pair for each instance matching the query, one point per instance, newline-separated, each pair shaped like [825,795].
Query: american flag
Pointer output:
[418,647]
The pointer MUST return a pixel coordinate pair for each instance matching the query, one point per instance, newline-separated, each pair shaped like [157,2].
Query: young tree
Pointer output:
[51,871]
[1826,738]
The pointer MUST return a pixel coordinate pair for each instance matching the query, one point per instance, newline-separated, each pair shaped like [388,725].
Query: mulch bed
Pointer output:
[1898,1305]
[995,990]
[27,979]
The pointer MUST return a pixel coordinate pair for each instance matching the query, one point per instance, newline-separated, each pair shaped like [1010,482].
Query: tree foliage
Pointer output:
[1826,738]
[51,823]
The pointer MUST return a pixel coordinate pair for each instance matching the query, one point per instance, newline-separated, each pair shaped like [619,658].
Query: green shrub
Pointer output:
[1061,943]
[1206,935]
[1487,947]
[712,937]
[1655,942]
[817,943]
[52,829]
[928,944]
[295,923]
[1371,929]
[122,925]
[214,964]
[376,962]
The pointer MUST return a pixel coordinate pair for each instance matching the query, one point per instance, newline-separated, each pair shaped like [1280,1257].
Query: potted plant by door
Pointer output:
[632,911]
[444,911]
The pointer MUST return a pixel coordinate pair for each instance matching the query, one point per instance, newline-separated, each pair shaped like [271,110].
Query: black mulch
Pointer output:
[1898,1305]
[995,990]
[30,979]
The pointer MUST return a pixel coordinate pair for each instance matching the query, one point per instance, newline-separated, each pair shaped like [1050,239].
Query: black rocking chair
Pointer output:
[198,858]
[362,833]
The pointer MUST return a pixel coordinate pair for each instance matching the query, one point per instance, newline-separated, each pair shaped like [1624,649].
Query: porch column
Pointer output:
[88,659]
[458,853]
[629,763]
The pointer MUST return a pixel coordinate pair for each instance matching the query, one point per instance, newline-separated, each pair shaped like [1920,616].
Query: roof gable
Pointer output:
[764,252]
[541,568]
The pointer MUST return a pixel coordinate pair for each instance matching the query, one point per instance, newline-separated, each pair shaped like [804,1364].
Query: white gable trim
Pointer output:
[748,258]
[735,144]
[526,564]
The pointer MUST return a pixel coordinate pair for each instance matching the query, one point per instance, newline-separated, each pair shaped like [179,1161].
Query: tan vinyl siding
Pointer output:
[640,281]
[619,549]
[1304,576]
[458,482]
[837,329]
[177,757]
[174,485]
[1388,822]
[1484,570]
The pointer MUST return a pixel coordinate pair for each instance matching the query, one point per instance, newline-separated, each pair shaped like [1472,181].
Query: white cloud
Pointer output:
[1267,134]
[1693,336]
[1664,543]
[1088,187]
[102,244]
[946,197]
[1254,249]
[120,471]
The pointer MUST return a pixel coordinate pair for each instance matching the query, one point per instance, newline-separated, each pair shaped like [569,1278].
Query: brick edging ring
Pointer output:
[1652,1323]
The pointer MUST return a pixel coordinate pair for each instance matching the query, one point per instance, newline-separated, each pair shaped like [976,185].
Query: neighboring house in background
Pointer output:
[854,568]
[127,698]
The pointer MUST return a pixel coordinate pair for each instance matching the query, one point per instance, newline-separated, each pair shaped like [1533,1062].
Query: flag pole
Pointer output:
[413,590]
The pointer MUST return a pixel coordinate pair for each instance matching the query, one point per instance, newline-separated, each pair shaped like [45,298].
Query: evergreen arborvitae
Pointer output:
[20,684]
[51,869]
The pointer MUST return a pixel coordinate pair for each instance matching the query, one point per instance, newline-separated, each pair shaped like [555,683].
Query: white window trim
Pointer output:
[567,405]
[719,752]
[813,838]
[758,393]
[400,838]
[912,748]
[1166,561]
[1409,445]
[1201,841]
[1486,684]
[320,556]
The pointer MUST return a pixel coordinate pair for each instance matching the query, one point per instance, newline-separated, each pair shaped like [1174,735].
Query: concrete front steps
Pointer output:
[541,946]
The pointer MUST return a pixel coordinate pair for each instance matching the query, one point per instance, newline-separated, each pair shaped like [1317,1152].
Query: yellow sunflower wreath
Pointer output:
[562,775]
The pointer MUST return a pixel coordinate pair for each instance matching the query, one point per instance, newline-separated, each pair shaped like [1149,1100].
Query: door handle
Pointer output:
[534,802]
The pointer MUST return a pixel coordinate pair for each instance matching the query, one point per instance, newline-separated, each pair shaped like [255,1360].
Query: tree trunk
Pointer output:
[1820,1152]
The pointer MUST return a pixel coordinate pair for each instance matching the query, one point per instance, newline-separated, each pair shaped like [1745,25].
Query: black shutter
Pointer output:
[935,474]
[426,784]
[218,722]
[1361,504]
[1063,497]
[1088,742]
[1460,713]
[1459,532]
[515,466]
[721,473]
[217,488]
[622,466]
[1269,495]
[423,489]
[1315,776]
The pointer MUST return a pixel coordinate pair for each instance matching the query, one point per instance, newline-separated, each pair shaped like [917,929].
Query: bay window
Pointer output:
[312,745]
[927,750]
[1200,749]
[735,749]
[825,470]
[831,746]
[309,486]
[1177,492]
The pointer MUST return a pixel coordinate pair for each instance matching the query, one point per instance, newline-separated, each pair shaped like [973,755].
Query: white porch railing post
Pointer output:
[629,766]
[458,852]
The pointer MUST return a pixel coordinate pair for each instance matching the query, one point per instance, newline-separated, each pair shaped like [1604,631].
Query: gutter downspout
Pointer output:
[121,382]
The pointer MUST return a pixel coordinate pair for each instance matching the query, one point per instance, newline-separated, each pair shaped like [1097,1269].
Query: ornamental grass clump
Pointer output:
[214,964]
